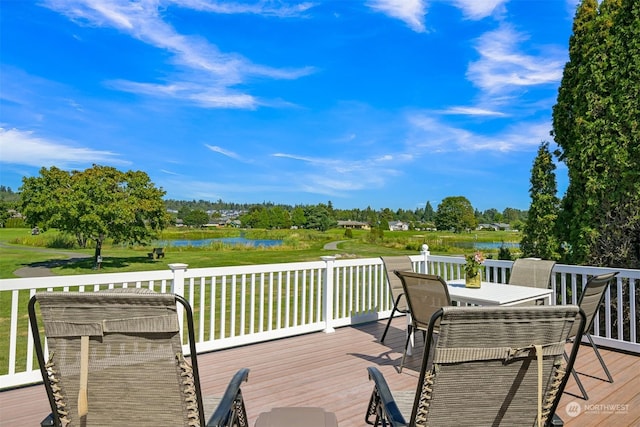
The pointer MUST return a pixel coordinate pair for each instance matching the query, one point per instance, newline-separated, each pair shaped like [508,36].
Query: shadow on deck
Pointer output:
[329,370]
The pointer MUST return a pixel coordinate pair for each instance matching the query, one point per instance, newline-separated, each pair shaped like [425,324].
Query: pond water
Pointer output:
[225,240]
[485,245]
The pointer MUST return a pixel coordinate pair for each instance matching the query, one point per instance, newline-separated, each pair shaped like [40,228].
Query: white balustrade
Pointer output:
[247,304]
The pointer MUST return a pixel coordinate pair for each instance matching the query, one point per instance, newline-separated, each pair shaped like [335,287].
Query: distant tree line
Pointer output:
[454,213]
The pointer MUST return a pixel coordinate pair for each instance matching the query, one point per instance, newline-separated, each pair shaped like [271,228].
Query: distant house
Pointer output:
[398,226]
[496,226]
[356,225]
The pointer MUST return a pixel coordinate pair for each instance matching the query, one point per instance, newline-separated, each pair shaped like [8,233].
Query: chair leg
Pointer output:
[388,324]
[595,348]
[585,396]
[406,345]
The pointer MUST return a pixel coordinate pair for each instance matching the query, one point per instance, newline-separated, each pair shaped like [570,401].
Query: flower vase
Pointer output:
[473,282]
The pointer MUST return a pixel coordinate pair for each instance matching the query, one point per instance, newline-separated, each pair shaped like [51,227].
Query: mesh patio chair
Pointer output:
[532,272]
[491,366]
[425,294]
[391,264]
[115,359]
[590,301]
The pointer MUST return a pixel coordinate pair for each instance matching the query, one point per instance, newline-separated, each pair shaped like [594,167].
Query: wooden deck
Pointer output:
[329,370]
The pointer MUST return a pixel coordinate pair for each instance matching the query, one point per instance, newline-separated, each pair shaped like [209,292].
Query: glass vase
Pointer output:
[473,282]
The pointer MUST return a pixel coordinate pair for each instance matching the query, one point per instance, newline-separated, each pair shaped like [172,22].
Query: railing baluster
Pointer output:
[303,297]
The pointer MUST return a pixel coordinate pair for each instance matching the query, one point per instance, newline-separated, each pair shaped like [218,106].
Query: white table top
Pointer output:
[495,293]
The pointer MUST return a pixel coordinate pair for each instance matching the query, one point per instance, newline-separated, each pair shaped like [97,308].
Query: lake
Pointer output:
[485,245]
[224,240]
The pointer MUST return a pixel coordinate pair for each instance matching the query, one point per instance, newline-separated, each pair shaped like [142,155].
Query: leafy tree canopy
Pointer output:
[97,203]
[455,213]
[196,218]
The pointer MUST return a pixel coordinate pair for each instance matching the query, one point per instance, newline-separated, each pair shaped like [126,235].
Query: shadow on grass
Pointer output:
[87,263]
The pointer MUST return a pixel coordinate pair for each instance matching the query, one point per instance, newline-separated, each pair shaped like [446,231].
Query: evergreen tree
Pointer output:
[429,213]
[595,123]
[538,238]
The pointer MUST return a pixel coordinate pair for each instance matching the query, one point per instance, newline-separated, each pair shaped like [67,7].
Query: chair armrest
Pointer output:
[231,409]
[383,400]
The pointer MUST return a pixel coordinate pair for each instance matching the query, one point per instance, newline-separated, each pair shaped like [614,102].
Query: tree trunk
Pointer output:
[97,256]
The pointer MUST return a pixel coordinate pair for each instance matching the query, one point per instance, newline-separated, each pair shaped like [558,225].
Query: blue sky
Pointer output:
[380,103]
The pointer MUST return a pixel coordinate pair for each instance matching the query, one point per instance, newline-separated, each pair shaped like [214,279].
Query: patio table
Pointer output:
[496,293]
[490,293]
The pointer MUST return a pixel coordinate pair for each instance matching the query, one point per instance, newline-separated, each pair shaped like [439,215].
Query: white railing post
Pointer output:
[424,251]
[177,287]
[327,292]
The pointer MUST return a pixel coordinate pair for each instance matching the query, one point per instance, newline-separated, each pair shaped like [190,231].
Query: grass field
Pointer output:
[19,249]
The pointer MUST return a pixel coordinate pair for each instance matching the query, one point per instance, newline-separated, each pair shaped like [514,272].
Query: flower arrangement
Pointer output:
[474,263]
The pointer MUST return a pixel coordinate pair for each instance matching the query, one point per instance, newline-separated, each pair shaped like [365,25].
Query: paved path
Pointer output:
[43,269]
[333,246]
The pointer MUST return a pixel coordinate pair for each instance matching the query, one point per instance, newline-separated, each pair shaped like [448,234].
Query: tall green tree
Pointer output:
[280,217]
[318,217]
[196,218]
[595,123]
[95,204]
[455,213]
[429,213]
[297,217]
[539,238]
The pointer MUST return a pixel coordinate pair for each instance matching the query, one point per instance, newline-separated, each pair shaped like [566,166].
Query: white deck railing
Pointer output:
[248,304]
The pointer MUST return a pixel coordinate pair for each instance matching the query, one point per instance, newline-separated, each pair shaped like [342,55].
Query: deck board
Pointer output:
[329,370]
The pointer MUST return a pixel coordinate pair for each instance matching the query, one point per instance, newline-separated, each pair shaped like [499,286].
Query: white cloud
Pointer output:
[479,9]
[262,8]
[431,134]
[203,68]
[334,176]
[222,151]
[472,111]
[411,12]
[24,148]
[208,97]
[502,67]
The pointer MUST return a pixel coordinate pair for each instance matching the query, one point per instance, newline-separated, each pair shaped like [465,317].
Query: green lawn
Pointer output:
[18,249]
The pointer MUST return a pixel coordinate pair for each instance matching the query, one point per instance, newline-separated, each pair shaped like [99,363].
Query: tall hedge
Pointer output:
[595,123]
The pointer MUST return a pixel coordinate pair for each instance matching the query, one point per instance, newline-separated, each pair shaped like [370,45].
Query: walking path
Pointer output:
[333,246]
[43,269]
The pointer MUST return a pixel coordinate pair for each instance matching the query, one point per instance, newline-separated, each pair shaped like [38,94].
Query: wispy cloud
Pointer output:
[433,135]
[207,97]
[502,67]
[169,172]
[222,151]
[268,8]
[202,67]
[335,176]
[472,111]
[24,148]
[479,9]
[411,12]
